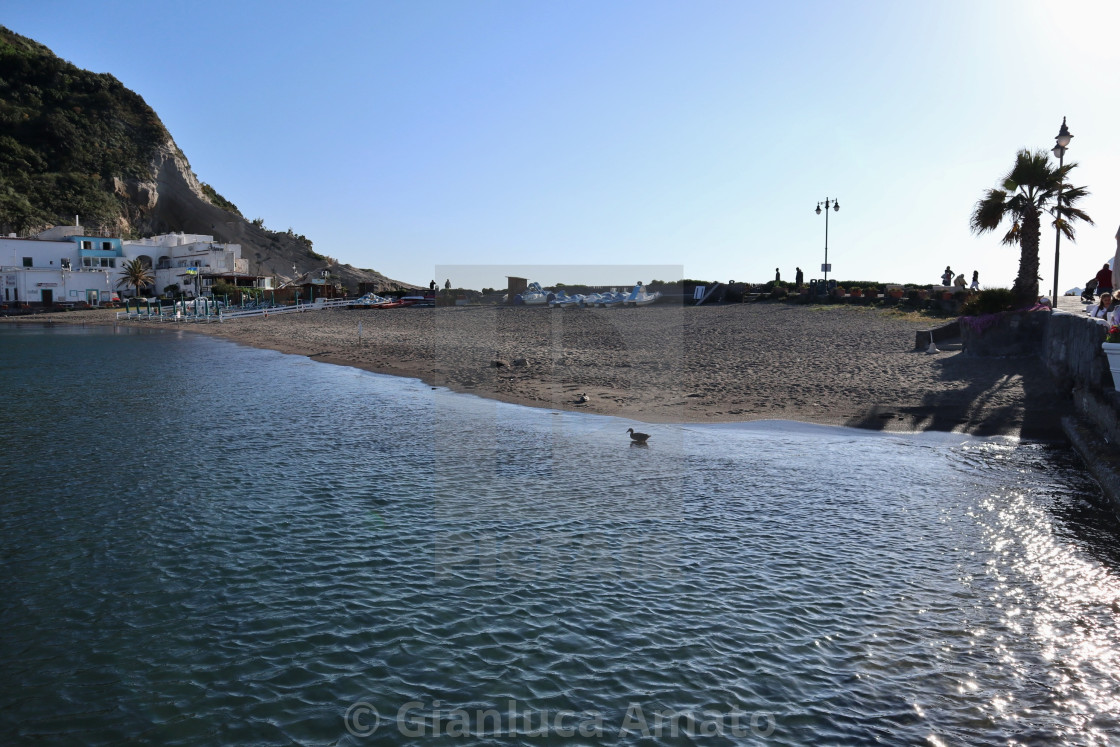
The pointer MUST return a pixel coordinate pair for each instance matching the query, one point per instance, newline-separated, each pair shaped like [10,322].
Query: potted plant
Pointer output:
[923,294]
[1111,347]
[871,291]
[895,292]
[839,291]
[857,292]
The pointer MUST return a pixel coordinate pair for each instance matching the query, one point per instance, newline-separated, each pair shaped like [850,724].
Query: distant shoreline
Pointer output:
[832,365]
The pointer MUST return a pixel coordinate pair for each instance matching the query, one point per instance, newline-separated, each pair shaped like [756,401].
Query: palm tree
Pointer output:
[1029,189]
[137,274]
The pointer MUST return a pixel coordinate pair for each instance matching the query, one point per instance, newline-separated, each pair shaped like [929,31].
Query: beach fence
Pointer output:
[208,311]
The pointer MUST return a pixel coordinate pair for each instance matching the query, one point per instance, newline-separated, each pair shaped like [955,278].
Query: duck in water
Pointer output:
[638,438]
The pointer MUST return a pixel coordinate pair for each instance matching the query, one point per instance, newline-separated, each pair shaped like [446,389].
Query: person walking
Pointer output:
[777,275]
[975,280]
[799,277]
[447,284]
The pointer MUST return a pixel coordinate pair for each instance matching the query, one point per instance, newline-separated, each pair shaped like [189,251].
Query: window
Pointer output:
[87,244]
[106,246]
[27,262]
[66,263]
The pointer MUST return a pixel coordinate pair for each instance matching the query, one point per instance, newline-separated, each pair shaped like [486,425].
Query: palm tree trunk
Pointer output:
[1026,284]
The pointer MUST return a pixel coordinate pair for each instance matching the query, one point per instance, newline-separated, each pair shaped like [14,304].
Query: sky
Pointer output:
[610,136]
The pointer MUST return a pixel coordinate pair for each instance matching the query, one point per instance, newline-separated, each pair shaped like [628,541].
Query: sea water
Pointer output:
[204,543]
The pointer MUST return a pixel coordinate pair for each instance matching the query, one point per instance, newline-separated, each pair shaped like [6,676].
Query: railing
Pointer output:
[219,315]
[263,311]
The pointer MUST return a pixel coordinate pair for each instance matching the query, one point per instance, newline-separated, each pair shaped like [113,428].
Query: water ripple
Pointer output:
[242,567]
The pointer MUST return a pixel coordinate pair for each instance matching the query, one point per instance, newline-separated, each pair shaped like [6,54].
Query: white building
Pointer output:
[64,266]
[194,262]
[58,269]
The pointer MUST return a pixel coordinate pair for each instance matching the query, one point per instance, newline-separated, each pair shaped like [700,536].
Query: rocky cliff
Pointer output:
[76,143]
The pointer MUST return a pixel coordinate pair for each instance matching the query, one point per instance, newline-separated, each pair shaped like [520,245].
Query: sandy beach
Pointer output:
[836,365]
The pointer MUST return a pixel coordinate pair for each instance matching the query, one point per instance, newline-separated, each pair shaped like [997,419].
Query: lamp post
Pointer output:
[835,205]
[1062,141]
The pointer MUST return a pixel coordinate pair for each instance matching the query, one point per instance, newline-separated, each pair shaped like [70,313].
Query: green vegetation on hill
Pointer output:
[65,133]
[220,201]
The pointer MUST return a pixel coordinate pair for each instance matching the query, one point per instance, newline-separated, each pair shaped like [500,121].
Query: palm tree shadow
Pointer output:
[1000,396]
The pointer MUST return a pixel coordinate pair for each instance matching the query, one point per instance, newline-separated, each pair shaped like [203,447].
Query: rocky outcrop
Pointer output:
[172,199]
[73,142]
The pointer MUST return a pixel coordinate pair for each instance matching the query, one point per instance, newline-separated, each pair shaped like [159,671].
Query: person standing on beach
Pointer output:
[447,284]
[947,277]
[975,280]
[777,275]
[432,286]
[799,278]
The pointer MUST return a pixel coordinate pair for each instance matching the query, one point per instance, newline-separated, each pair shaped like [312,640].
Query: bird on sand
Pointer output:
[636,437]
[582,399]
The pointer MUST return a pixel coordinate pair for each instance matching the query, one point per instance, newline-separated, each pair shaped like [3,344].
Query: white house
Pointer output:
[57,268]
[64,265]
[194,262]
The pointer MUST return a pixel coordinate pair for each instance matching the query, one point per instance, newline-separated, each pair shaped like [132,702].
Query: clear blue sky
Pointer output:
[408,136]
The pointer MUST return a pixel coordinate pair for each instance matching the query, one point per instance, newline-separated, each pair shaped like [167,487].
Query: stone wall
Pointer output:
[1009,333]
[1072,351]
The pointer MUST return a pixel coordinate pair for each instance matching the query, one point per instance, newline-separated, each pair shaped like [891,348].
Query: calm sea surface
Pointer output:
[207,544]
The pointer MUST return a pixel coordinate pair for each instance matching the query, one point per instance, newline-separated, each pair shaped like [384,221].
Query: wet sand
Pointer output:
[835,365]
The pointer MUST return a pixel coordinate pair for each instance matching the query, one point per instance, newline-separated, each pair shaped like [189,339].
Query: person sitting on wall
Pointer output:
[1102,309]
[960,282]
[1104,280]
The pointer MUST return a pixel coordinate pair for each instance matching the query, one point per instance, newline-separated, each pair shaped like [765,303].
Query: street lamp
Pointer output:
[1062,141]
[835,205]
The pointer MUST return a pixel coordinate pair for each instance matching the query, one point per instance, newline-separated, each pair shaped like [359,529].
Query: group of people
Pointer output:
[947,278]
[1107,305]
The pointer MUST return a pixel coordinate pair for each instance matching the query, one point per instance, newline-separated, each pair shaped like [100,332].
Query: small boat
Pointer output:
[639,296]
[562,299]
[428,299]
[531,296]
[614,298]
[368,301]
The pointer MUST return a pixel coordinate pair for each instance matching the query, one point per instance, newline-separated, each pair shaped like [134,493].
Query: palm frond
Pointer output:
[989,211]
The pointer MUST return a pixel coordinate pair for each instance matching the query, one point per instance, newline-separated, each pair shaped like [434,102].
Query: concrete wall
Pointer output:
[1072,352]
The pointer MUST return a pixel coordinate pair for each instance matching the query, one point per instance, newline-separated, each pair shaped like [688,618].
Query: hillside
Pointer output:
[77,143]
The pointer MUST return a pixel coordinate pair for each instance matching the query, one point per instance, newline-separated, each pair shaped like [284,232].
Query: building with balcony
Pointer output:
[65,265]
[57,268]
[193,262]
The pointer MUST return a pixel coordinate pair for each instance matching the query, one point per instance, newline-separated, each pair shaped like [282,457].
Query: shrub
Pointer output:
[989,301]
[222,289]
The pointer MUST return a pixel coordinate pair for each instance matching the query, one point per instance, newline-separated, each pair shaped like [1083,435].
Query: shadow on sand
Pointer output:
[982,397]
